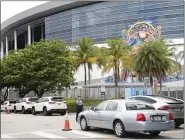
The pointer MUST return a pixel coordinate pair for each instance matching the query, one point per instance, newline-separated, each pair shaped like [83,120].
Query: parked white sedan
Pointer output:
[49,105]
[124,116]
[8,105]
[25,104]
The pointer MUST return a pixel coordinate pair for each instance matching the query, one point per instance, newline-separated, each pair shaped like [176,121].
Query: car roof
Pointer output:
[28,97]
[148,96]
[52,97]
[125,101]
[156,97]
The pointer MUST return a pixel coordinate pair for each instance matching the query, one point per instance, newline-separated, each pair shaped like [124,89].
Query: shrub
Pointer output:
[72,104]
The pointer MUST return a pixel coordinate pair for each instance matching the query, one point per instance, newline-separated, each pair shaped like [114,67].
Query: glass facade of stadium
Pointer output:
[105,20]
[100,21]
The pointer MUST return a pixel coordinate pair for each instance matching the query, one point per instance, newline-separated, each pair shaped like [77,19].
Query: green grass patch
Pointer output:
[72,104]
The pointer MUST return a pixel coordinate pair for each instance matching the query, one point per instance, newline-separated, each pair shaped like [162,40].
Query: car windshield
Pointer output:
[169,100]
[12,102]
[138,106]
[59,99]
[33,99]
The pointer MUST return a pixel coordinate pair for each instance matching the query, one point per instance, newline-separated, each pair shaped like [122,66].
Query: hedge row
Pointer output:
[71,104]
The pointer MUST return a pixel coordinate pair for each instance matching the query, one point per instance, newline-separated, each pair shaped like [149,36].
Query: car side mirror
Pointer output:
[93,108]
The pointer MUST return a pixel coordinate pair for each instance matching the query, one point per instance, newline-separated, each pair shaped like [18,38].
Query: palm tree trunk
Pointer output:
[115,74]
[151,81]
[89,75]
[160,85]
[118,74]
[85,80]
[116,78]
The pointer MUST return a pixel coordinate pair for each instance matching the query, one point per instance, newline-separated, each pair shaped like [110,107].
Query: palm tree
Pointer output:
[112,57]
[181,55]
[118,54]
[83,55]
[153,59]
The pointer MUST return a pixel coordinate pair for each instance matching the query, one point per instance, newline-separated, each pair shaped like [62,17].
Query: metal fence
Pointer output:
[95,93]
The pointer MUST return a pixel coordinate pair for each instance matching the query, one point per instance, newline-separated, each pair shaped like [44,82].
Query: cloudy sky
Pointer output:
[20,6]
[11,8]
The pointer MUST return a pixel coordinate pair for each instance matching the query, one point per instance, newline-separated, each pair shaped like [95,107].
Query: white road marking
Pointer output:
[178,131]
[5,136]
[31,132]
[46,135]
[88,134]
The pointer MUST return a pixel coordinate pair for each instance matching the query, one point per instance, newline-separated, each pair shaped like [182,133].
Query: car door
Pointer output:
[109,114]
[38,105]
[3,105]
[95,117]
[18,105]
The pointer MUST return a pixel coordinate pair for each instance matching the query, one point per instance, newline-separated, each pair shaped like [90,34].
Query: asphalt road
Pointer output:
[29,126]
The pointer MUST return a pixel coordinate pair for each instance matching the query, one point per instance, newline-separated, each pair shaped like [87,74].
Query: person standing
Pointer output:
[79,106]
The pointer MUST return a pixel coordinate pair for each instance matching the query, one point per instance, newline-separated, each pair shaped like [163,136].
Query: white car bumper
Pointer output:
[57,108]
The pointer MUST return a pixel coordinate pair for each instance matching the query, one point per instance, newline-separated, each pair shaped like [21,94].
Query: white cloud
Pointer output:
[11,8]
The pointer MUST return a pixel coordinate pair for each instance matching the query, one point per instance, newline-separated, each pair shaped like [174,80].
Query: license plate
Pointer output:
[158,118]
[59,103]
[177,109]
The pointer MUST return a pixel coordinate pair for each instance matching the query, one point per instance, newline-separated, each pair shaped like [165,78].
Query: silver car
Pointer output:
[124,116]
[172,105]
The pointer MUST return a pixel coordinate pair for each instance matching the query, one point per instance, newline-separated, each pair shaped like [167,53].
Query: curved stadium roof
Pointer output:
[39,12]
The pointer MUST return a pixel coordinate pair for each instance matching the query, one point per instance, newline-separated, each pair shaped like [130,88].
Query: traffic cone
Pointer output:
[66,125]
[8,111]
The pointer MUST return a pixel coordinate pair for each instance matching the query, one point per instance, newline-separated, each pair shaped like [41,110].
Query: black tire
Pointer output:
[50,113]
[155,133]
[119,133]
[177,125]
[23,110]
[33,111]
[63,113]
[15,111]
[45,112]
[83,124]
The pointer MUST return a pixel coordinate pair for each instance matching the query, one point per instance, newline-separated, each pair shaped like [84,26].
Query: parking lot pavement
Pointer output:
[39,126]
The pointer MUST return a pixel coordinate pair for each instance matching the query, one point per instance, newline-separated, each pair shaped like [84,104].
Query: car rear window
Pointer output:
[12,102]
[57,99]
[138,106]
[169,100]
[33,99]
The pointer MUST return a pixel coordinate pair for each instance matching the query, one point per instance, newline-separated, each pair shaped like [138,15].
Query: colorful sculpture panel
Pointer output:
[133,36]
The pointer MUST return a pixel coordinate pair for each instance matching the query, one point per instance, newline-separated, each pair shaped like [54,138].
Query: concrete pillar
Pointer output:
[42,33]
[2,49]
[29,34]
[7,45]
[33,35]
[15,40]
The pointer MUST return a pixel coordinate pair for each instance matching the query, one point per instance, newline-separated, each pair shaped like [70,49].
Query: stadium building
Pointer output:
[71,20]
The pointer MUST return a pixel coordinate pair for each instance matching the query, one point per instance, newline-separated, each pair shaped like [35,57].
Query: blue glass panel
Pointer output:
[105,20]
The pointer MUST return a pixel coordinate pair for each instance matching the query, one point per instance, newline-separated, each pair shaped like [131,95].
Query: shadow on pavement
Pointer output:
[129,135]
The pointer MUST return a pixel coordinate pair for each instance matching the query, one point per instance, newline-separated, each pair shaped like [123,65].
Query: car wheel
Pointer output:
[119,129]
[63,113]
[177,125]
[15,111]
[50,113]
[83,124]
[33,111]
[23,110]
[45,112]
[155,133]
